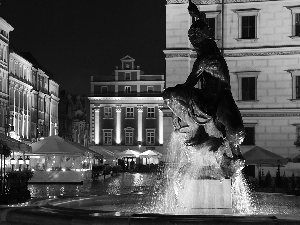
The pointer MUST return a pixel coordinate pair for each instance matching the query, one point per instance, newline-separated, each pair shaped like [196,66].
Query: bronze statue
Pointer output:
[210,113]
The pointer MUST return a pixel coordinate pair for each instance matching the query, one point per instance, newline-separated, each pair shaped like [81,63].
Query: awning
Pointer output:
[260,156]
[129,153]
[15,145]
[57,145]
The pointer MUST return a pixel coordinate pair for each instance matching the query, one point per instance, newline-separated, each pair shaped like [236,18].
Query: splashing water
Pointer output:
[187,166]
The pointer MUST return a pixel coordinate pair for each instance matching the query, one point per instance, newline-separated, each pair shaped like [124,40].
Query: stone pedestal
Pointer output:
[206,197]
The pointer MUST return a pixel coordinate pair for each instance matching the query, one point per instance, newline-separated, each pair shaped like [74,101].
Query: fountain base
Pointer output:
[210,197]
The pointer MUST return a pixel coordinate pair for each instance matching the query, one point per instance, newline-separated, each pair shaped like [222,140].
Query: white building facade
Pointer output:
[260,40]
[33,99]
[125,109]
[5,29]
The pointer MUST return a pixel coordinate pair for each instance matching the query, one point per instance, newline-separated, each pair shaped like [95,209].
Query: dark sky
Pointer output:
[74,39]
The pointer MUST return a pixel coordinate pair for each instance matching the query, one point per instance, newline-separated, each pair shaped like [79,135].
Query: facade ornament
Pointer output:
[210,2]
[140,108]
[118,108]
[160,108]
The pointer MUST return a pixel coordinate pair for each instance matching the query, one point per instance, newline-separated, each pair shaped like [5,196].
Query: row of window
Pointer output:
[248,22]
[129,134]
[127,89]
[129,112]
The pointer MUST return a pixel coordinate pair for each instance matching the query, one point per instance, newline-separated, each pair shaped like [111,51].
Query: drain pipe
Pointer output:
[222,28]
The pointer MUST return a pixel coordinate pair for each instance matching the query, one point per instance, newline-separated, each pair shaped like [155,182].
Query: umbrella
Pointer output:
[129,153]
[150,153]
[57,145]
[260,156]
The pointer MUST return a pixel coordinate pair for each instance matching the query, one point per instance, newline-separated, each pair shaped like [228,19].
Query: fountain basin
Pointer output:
[99,210]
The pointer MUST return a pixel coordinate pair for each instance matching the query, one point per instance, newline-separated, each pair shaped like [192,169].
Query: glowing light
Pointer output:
[118,126]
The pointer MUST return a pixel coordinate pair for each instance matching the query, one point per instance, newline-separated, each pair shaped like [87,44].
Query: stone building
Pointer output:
[5,28]
[260,41]
[126,109]
[33,98]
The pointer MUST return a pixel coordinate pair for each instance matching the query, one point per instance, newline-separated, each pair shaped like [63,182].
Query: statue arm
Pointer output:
[198,68]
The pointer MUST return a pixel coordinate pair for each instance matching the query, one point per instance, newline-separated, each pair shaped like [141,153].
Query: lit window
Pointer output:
[150,112]
[150,89]
[150,133]
[249,135]
[127,76]
[127,89]
[107,137]
[247,85]
[295,83]
[128,137]
[107,112]
[129,112]
[104,90]
[247,20]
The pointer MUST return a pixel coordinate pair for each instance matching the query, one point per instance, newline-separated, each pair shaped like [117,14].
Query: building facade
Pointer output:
[125,109]
[33,99]
[5,29]
[260,40]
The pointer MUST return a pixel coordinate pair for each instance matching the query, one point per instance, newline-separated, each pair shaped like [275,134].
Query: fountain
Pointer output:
[202,181]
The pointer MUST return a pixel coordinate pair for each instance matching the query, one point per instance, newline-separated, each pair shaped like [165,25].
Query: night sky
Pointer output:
[75,39]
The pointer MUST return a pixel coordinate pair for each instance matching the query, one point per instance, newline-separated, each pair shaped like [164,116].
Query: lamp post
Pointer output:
[27,161]
[13,163]
[20,160]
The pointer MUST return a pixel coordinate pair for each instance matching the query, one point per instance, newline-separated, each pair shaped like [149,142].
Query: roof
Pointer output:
[261,156]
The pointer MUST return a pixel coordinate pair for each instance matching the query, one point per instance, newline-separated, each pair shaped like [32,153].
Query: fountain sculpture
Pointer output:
[205,157]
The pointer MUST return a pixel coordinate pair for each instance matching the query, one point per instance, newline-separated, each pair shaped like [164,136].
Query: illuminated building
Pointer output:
[33,98]
[125,109]
[260,41]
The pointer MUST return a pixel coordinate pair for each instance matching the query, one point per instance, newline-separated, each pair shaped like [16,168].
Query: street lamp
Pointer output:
[13,163]
[20,160]
[27,161]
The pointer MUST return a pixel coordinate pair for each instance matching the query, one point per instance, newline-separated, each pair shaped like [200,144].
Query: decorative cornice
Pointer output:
[234,53]
[265,112]
[244,54]
[210,2]
[125,98]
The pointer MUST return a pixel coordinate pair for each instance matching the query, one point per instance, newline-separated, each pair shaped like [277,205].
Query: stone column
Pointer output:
[140,123]
[161,125]
[97,125]
[50,117]
[118,125]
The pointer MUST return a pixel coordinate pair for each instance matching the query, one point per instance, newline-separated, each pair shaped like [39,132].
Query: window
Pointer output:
[107,112]
[127,89]
[248,88]
[150,133]
[150,112]
[128,136]
[104,90]
[295,10]
[248,27]
[297,142]
[249,135]
[107,137]
[211,22]
[127,76]
[129,112]
[247,24]
[247,82]
[295,83]
[150,89]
